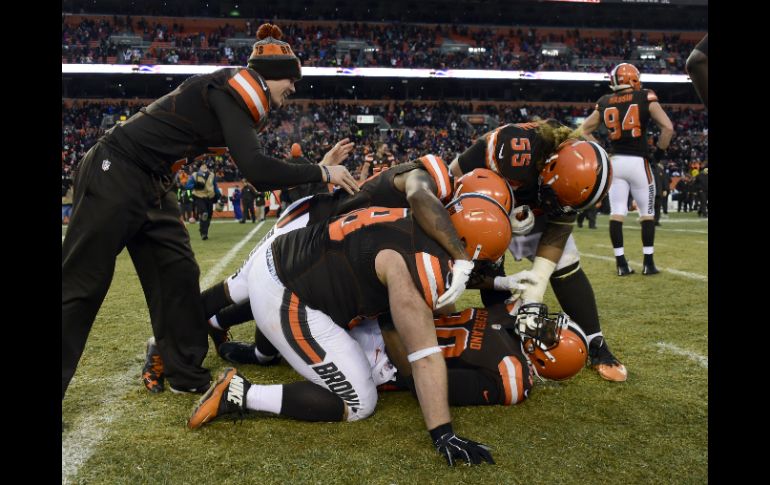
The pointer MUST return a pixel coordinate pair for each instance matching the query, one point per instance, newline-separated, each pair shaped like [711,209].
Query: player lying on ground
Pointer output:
[491,357]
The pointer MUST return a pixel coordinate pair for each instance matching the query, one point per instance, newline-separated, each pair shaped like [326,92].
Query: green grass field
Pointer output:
[651,429]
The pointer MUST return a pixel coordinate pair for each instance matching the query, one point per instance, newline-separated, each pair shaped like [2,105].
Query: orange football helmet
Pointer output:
[487,182]
[625,76]
[576,177]
[564,360]
[482,224]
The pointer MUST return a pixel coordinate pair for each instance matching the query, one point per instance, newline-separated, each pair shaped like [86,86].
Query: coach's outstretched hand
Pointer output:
[335,173]
[338,153]
[453,447]
[339,175]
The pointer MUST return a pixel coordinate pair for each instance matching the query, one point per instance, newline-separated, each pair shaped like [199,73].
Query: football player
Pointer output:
[423,185]
[309,286]
[554,175]
[626,114]
[490,354]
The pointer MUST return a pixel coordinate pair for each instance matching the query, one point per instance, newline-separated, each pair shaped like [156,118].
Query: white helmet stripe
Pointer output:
[604,162]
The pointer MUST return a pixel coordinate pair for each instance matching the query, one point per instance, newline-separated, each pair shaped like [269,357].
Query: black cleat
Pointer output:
[226,396]
[243,353]
[190,390]
[219,337]
[152,373]
[602,360]
[649,269]
[624,270]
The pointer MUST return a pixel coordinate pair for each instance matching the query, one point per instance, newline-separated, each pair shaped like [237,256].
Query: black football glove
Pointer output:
[453,447]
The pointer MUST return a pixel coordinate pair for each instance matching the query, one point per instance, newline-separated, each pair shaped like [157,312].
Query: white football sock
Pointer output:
[265,398]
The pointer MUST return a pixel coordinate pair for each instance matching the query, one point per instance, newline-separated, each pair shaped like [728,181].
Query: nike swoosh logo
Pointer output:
[500,155]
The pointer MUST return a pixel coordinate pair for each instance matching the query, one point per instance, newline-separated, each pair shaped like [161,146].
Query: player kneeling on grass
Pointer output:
[308,286]
[422,185]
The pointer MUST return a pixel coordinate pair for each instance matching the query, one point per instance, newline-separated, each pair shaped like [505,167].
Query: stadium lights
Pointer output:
[374,72]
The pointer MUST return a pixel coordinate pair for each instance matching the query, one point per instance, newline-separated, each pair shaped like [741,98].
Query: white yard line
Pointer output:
[664,229]
[213,273]
[685,274]
[607,246]
[84,436]
[701,360]
[682,221]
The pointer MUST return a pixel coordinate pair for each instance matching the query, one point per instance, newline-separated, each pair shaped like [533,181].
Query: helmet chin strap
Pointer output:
[476,252]
[532,367]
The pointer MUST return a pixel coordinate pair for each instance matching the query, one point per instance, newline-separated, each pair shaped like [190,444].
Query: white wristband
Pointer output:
[421,354]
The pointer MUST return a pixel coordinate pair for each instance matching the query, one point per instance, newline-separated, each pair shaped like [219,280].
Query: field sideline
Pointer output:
[651,429]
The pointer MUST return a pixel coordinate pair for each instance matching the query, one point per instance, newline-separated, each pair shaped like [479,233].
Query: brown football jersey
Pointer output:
[330,265]
[626,116]
[513,151]
[477,338]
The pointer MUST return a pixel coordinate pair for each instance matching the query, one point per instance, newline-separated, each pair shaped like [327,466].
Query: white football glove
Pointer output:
[461,271]
[522,220]
[516,283]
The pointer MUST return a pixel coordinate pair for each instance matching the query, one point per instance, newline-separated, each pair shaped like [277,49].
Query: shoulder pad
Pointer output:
[438,170]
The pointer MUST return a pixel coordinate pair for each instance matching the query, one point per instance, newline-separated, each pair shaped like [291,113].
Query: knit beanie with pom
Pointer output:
[271,57]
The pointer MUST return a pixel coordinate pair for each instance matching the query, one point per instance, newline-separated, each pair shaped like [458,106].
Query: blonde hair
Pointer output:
[553,134]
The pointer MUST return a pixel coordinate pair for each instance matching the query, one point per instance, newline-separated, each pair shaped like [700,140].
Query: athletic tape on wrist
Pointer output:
[328,175]
[421,354]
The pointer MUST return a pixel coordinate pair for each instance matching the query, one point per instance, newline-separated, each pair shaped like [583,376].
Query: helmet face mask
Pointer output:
[563,360]
[549,202]
[538,328]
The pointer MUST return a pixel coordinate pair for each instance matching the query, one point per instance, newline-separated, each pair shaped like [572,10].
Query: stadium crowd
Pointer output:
[415,129]
[388,45]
